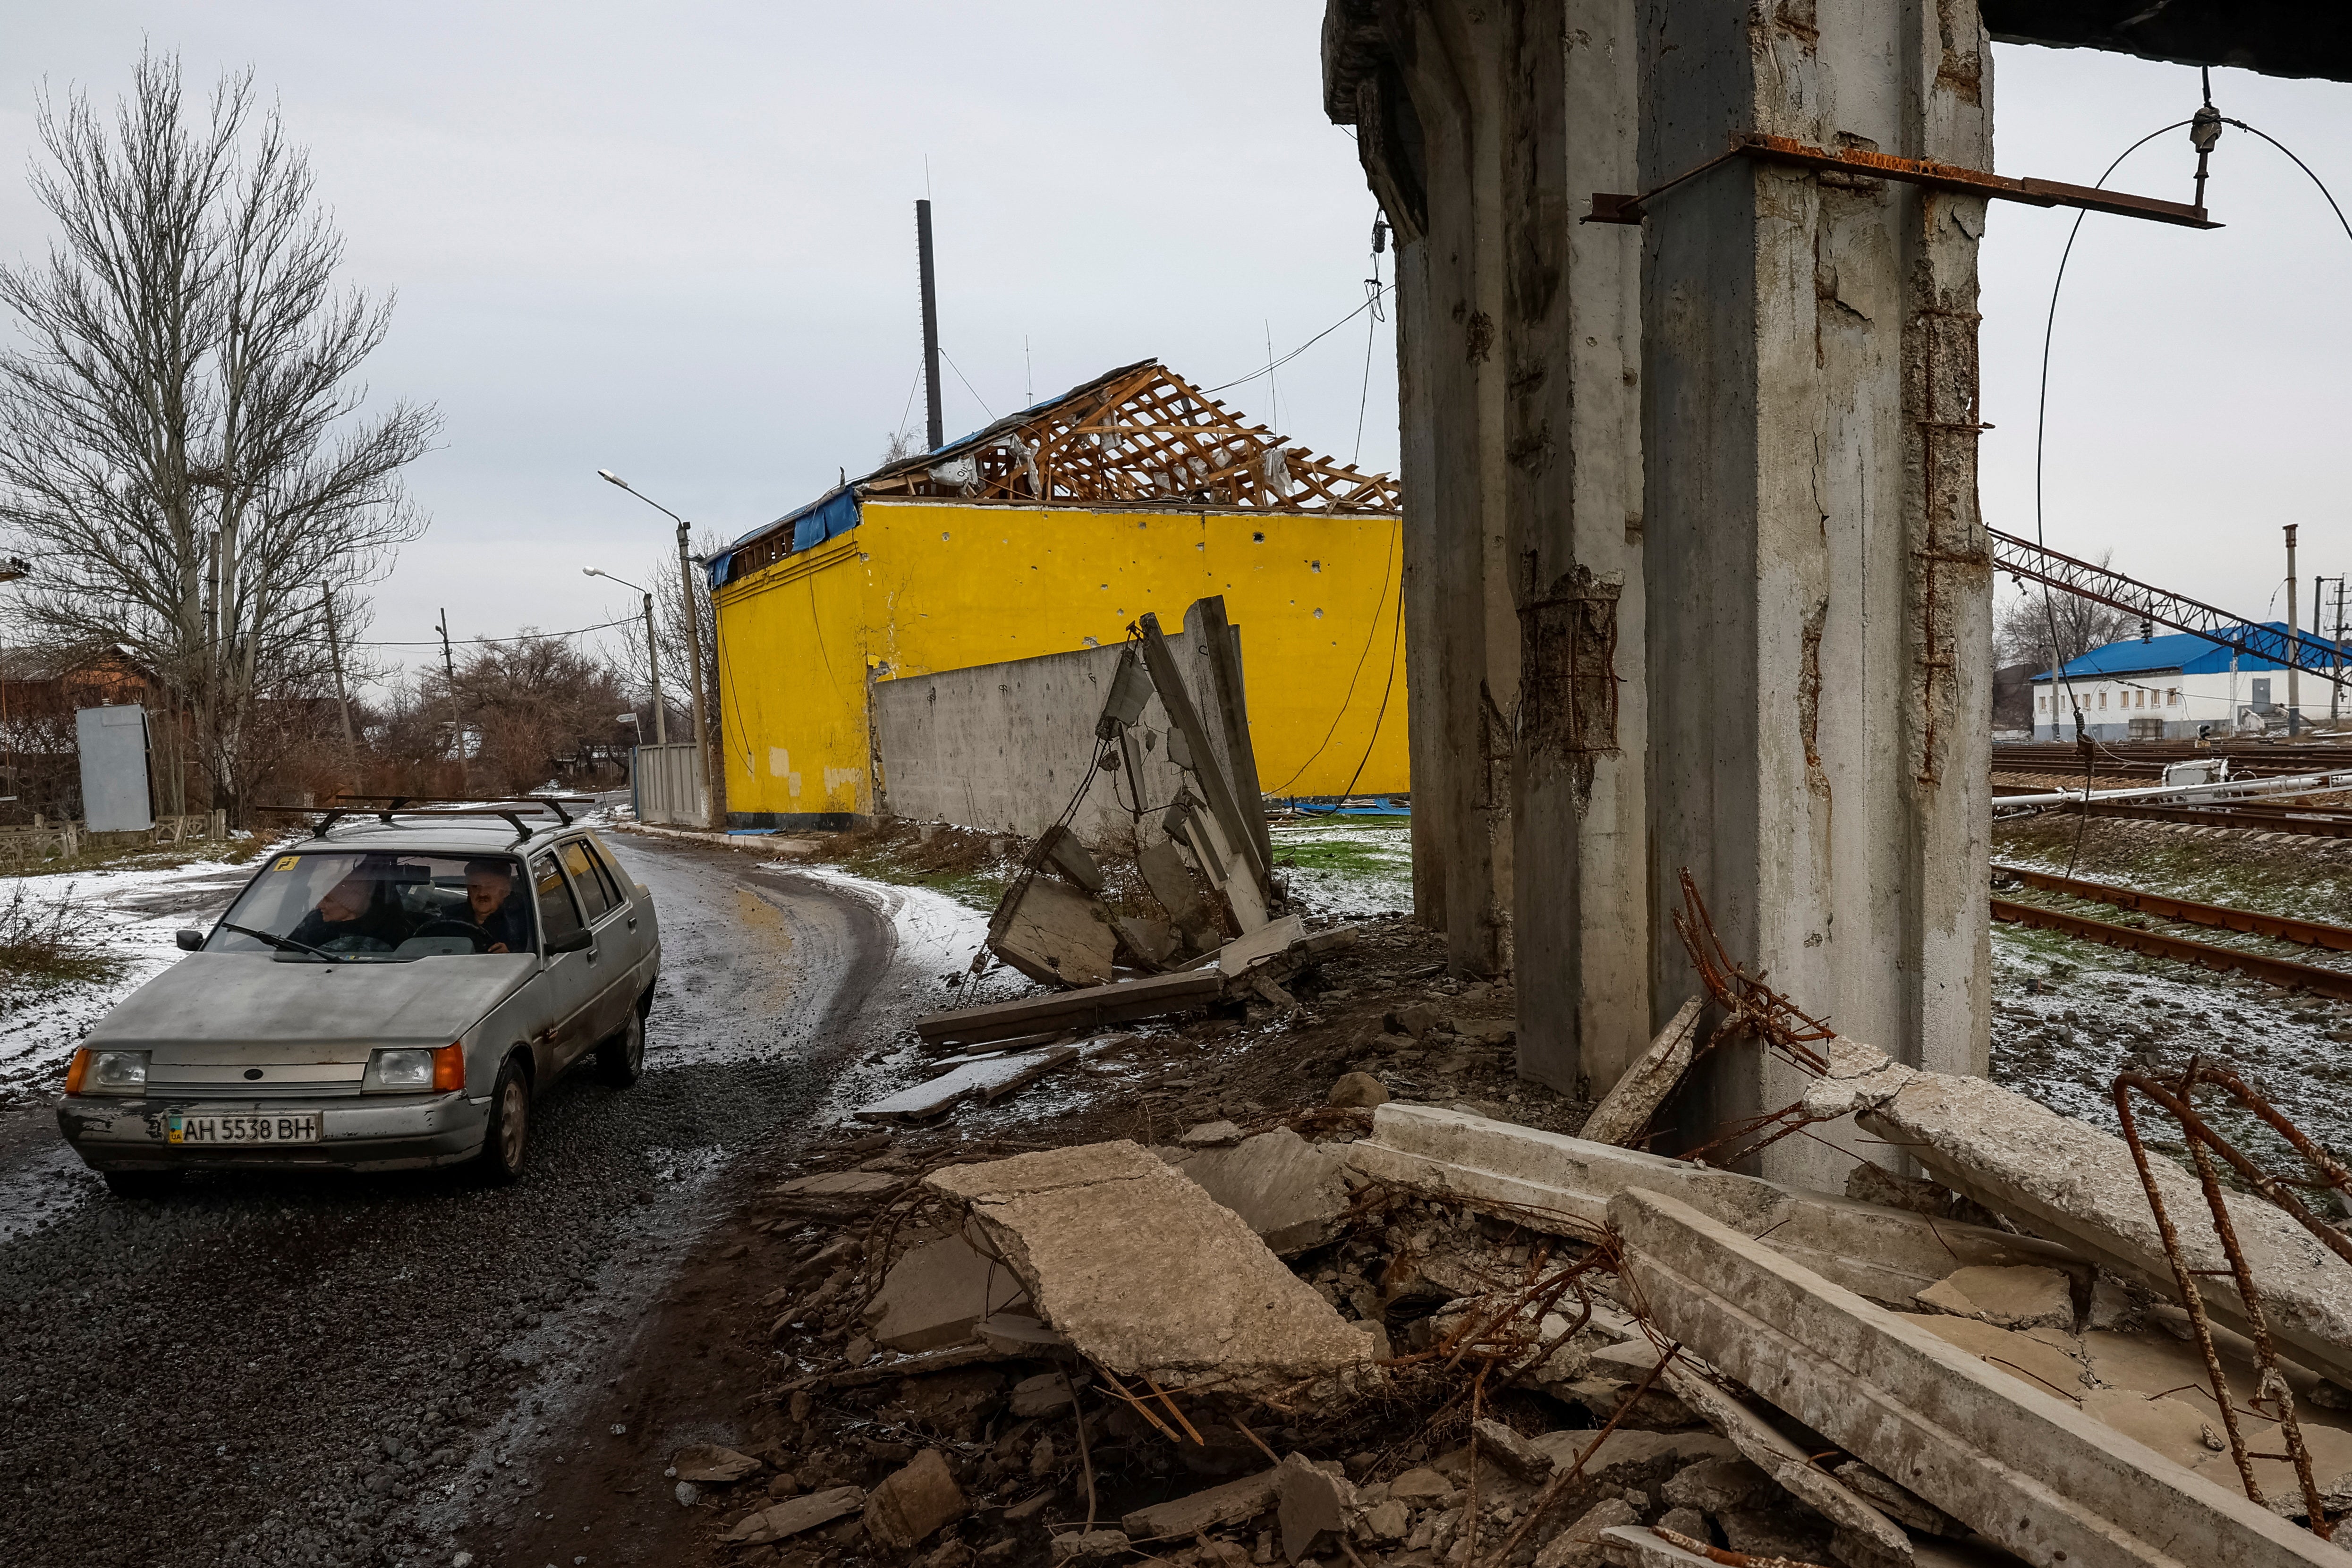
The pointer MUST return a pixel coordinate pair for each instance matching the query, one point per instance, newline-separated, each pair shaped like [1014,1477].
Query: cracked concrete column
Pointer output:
[1572,485]
[1819,586]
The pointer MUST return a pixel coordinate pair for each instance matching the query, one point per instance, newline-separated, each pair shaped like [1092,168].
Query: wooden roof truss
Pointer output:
[1142,434]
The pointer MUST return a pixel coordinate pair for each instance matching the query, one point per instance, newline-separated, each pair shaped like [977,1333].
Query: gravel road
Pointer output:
[353,1370]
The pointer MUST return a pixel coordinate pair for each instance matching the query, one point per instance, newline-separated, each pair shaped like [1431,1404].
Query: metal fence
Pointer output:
[666,785]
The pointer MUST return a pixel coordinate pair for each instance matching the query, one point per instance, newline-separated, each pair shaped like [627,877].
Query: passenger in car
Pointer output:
[353,918]
[490,898]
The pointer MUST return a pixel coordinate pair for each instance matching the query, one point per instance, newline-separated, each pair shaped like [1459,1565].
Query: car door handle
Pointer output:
[633,922]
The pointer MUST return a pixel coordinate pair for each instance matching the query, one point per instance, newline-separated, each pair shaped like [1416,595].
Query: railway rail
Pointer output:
[2314,823]
[2285,972]
[2284,928]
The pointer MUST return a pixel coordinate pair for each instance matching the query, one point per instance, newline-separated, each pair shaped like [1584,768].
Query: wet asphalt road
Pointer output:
[358,1370]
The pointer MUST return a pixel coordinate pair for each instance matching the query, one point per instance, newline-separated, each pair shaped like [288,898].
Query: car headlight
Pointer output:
[406,1070]
[107,1072]
[402,1072]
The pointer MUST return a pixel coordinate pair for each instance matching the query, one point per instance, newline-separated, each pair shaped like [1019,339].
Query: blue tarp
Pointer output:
[836,512]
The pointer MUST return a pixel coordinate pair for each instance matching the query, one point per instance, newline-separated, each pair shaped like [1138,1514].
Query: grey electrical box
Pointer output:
[113,742]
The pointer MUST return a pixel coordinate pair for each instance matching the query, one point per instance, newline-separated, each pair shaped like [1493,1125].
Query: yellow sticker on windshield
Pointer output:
[286,862]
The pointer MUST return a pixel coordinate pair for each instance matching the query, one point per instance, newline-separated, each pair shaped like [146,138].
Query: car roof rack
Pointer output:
[383,807]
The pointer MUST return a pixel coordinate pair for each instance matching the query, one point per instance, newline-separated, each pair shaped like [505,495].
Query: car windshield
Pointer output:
[377,907]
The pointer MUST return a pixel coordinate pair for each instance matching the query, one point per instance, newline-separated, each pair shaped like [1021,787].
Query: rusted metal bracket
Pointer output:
[1609,207]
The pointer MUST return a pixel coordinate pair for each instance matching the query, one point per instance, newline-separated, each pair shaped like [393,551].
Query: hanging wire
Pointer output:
[1302,348]
[1371,333]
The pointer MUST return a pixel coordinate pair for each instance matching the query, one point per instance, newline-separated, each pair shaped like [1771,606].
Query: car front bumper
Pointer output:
[360,1132]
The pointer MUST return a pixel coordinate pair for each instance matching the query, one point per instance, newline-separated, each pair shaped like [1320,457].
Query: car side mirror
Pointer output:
[578,942]
[190,940]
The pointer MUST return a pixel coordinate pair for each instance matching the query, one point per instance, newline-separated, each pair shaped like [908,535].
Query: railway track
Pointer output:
[2283,972]
[2282,928]
[2253,817]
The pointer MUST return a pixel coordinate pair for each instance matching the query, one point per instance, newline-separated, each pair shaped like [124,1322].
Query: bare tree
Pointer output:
[182,446]
[2050,627]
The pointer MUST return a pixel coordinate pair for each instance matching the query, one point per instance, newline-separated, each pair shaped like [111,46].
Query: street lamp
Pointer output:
[653,658]
[693,636]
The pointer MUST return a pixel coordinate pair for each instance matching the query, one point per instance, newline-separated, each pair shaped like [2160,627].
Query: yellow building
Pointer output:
[1050,530]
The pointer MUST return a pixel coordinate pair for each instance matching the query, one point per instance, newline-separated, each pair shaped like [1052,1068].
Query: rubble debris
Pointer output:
[1268,941]
[1285,1188]
[2025,1468]
[1579,1545]
[1313,1501]
[1217,1134]
[1548,1181]
[1153,941]
[1360,1090]
[936,1294]
[707,1462]
[2014,1297]
[1232,1502]
[1624,1115]
[1054,934]
[841,1184]
[1042,1395]
[1225,816]
[1515,1454]
[1090,1006]
[1016,1333]
[1149,1276]
[915,1501]
[990,1078]
[1773,1455]
[2067,1179]
[1868,1183]
[1170,880]
[791,1517]
[1085,1543]
[1063,851]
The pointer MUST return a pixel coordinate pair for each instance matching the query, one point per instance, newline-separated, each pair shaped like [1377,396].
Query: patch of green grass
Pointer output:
[1343,856]
[975,889]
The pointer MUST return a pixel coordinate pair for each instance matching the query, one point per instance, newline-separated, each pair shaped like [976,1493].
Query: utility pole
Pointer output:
[342,697]
[653,674]
[931,327]
[456,726]
[2294,664]
[693,609]
[2335,692]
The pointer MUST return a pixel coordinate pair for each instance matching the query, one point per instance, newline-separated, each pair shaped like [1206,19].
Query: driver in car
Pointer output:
[352,918]
[490,900]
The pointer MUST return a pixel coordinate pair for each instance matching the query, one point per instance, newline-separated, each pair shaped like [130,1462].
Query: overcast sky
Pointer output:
[680,245]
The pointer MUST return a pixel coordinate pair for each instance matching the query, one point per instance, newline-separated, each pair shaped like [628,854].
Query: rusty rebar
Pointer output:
[2203,1142]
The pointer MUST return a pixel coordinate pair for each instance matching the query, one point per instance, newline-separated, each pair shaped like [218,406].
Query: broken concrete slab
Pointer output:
[1171,882]
[2023,1466]
[708,1463]
[1773,1454]
[914,1501]
[1639,1546]
[1548,1181]
[1903,1506]
[794,1515]
[1153,941]
[841,1184]
[1504,1447]
[1310,1503]
[2014,1297]
[1091,1007]
[1054,934]
[1242,1499]
[1210,1136]
[1357,1091]
[1624,1458]
[1579,1545]
[936,1294]
[1150,1276]
[1288,1190]
[2071,1181]
[989,1079]
[1061,849]
[1625,1113]
[1267,942]
[1042,1395]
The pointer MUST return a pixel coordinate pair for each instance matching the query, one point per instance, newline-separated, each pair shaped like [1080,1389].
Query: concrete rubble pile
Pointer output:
[1415,1335]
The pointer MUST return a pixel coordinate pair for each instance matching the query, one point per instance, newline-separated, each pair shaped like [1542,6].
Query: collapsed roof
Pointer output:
[1140,435]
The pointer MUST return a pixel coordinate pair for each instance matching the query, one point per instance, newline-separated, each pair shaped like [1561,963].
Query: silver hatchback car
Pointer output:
[390,993]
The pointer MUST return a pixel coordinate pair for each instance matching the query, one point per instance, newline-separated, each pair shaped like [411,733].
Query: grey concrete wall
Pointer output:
[1003,746]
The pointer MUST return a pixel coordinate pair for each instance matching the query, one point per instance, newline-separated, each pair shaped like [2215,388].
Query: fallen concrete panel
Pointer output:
[1096,1005]
[1071,858]
[1171,882]
[1287,1189]
[1553,1182]
[1149,1276]
[991,1078]
[1625,1111]
[2070,1181]
[794,1515]
[1267,941]
[1054,934]
[2026,1469]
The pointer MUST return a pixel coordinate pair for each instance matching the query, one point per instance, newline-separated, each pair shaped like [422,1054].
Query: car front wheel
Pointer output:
[506,1139]
[620,1059]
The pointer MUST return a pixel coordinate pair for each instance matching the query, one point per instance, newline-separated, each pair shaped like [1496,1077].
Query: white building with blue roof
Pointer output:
[2171,688]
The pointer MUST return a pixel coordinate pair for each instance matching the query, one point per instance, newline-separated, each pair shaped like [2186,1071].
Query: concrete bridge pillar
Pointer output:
[1818,585]
[1696,511]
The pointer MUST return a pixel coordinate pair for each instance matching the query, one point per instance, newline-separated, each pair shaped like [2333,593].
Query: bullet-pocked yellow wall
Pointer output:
[921,586]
